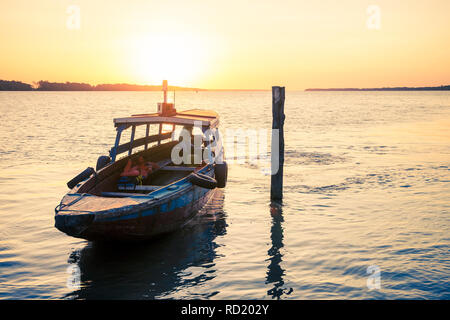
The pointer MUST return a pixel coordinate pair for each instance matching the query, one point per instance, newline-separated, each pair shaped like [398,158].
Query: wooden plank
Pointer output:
[113,152]
[141,188]
[147,130]
[168,120]
[200,113]
[208,118]
[160,132]
[176,168]
[141,141]
[94,203]
[148,188]
[122,194]
[133,132]
[163,163]
[276,187]
[109,174]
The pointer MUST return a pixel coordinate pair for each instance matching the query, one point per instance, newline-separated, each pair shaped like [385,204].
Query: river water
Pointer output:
[365,212]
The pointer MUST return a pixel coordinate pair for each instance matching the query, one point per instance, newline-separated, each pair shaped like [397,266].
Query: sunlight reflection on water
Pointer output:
[366,183]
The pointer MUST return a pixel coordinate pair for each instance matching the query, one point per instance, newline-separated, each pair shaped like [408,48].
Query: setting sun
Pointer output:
[180,58]
[219,151]
[232,45]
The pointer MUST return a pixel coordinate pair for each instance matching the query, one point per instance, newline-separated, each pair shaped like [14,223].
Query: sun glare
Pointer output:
[180,59]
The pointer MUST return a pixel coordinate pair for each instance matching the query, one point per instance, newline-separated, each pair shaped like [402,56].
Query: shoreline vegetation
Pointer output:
[76,86]
[439,88]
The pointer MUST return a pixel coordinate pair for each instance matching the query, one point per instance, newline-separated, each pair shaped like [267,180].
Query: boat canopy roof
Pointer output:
[207,118]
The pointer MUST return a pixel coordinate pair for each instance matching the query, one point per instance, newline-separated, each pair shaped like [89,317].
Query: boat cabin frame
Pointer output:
[188,119]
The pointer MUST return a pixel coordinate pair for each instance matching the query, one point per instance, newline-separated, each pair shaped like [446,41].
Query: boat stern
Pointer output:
[73,224]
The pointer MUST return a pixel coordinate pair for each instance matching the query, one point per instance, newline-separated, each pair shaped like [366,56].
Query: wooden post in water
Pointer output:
[277,150]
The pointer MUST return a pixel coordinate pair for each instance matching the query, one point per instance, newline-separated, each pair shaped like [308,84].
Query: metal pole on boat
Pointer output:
[164,87]
[133,131]
[277,148]
[147,130]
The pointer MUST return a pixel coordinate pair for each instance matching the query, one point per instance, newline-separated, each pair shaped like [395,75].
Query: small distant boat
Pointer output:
[101,206]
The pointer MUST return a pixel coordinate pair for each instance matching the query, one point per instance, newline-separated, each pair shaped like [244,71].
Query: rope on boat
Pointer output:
[60,206]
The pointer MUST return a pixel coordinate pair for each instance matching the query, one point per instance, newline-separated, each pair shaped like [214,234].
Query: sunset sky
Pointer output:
[227,44]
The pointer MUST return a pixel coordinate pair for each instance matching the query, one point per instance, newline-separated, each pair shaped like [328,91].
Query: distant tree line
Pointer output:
[75,86]
[439,88]
[68,86]
[14,86]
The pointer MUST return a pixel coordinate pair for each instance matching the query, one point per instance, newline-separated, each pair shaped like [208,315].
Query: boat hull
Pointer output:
[147,223]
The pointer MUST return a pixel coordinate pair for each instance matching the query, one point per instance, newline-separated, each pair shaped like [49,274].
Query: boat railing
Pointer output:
[134,143]
[140,142]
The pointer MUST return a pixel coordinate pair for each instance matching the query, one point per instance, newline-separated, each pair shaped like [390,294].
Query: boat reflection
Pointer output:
[155,269]
[275,272]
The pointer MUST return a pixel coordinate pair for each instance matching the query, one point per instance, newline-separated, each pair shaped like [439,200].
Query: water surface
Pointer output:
[367,183]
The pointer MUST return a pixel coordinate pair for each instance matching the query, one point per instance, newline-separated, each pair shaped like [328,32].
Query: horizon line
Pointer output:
[187,88]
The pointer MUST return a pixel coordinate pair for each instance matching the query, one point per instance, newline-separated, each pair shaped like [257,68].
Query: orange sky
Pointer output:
[227,44]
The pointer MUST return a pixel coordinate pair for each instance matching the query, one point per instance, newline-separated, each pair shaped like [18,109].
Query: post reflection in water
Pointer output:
[155,269]
[275,273]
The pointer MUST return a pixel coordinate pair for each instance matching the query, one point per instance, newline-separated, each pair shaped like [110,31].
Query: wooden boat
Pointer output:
[100,207]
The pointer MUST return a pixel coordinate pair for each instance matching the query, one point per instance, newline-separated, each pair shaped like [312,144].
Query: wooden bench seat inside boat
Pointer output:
[175,168]
[106,179]
[123,194]
[86,203]
[140,188]
[104,183]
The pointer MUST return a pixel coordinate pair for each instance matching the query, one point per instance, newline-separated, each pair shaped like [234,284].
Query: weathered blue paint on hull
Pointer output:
[137,226]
